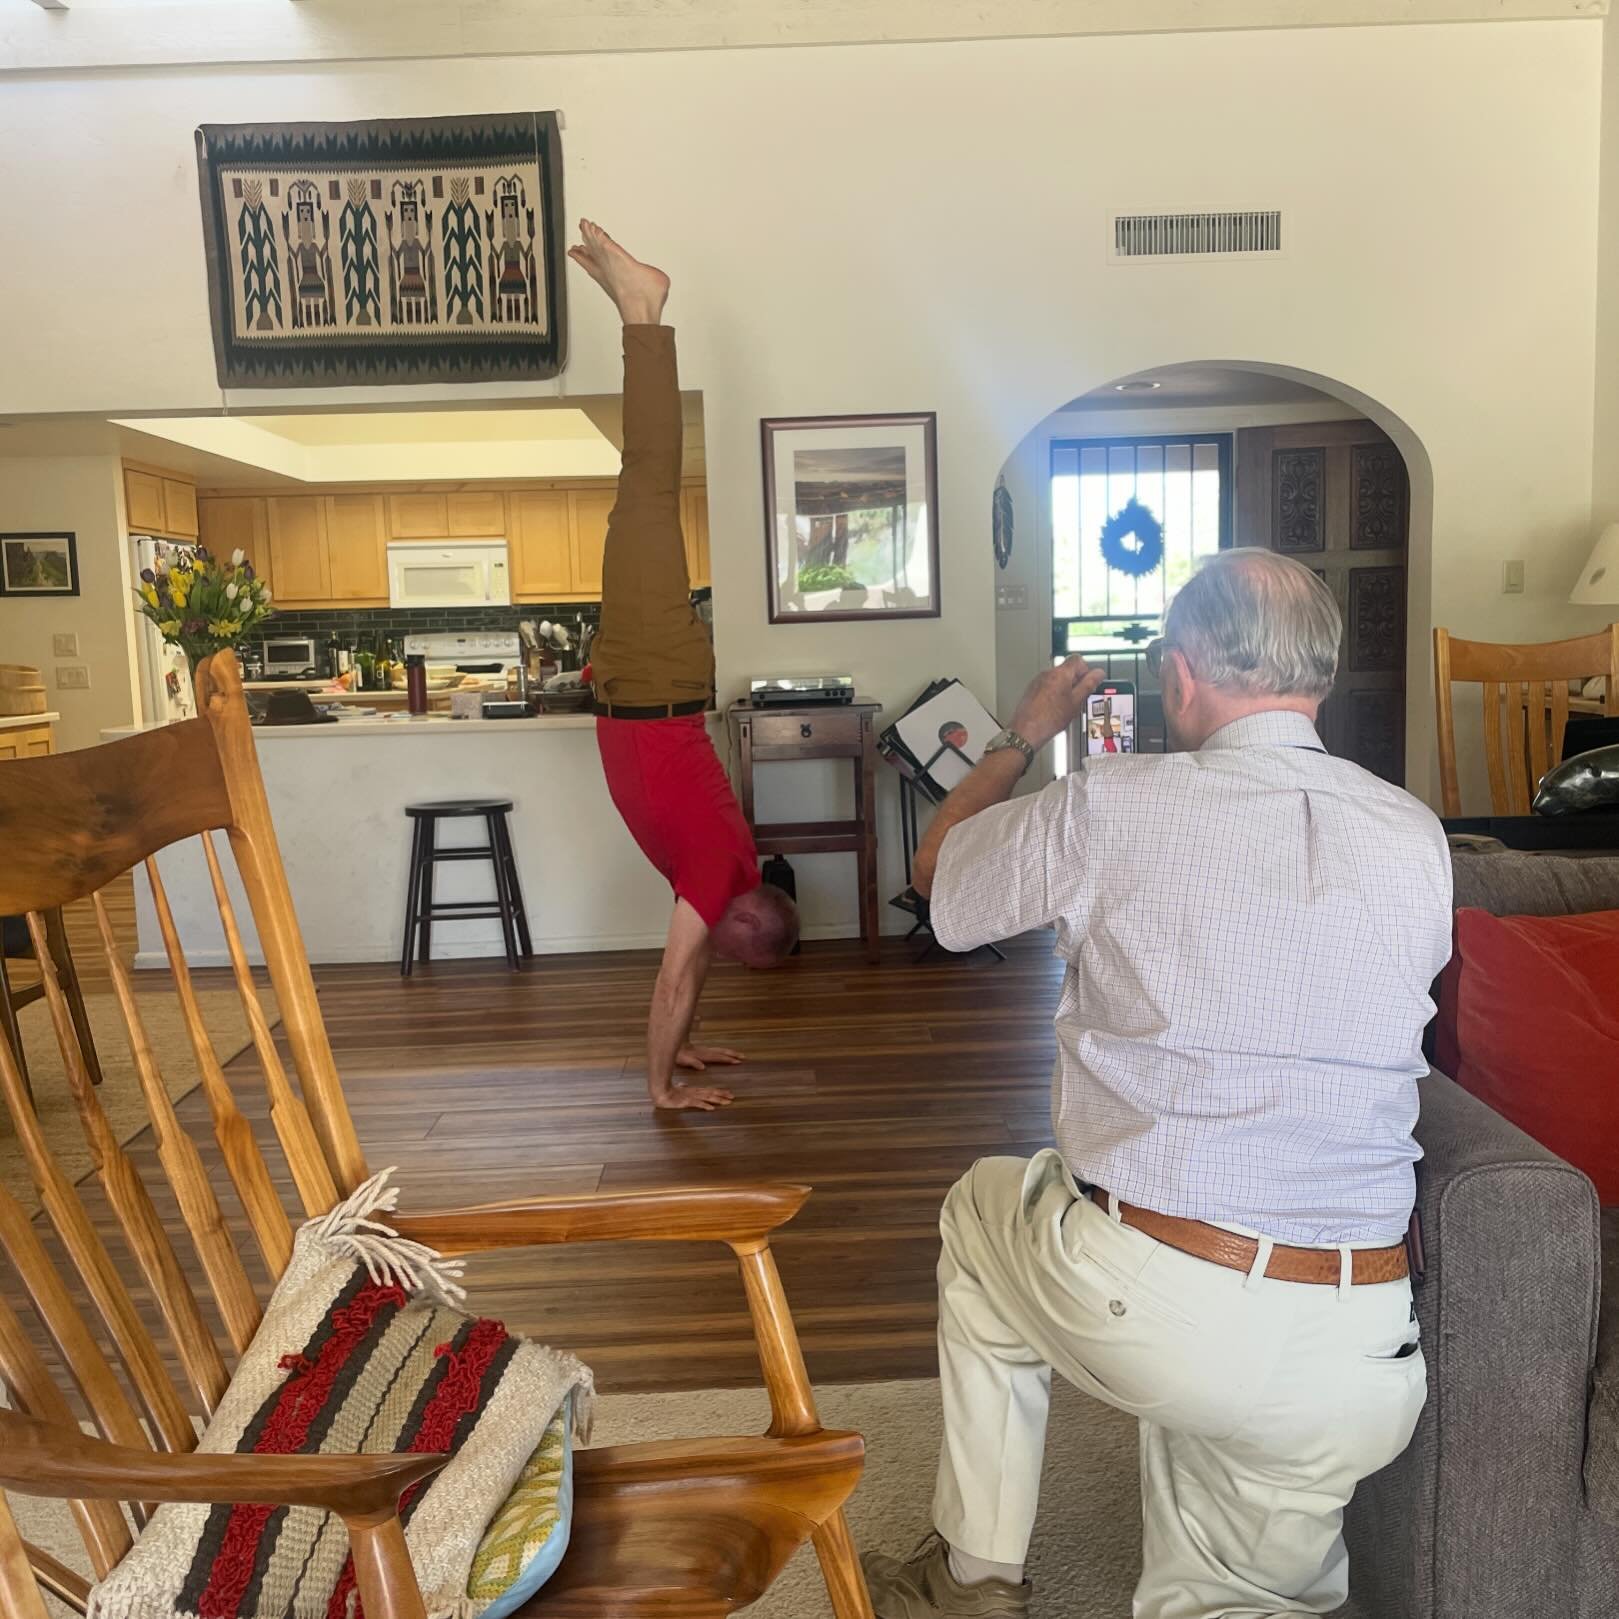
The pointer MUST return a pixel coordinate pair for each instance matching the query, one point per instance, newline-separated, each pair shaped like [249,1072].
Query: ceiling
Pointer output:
[566,438]
[131,33]
[1182,387]
[428,427]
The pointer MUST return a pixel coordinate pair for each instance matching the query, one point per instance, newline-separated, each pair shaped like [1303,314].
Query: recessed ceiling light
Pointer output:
[1142,387]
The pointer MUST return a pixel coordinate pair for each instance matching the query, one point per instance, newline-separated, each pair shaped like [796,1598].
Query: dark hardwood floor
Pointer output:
[876,1086]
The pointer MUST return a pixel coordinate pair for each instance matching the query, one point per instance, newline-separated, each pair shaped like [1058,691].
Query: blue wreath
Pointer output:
[1133,519]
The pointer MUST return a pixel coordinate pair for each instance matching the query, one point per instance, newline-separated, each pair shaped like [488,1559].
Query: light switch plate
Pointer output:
[1011,598]
[1512,578]
[65,646]
[73,677]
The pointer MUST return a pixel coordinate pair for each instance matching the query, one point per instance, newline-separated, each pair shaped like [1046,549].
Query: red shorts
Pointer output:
[667,782]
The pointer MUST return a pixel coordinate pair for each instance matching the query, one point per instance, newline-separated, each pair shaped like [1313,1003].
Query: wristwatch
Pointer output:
[1002,740]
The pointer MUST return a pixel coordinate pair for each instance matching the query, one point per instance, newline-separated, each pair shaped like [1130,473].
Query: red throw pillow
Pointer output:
[1537,1030]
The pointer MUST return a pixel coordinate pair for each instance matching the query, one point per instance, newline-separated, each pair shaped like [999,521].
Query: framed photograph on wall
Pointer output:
[851,517]
[39,565]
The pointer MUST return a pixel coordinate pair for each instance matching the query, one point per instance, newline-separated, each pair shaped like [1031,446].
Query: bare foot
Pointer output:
[701,1098]
[639,290]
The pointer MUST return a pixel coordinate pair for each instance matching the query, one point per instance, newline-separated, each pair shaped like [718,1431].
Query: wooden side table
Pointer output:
[817,731]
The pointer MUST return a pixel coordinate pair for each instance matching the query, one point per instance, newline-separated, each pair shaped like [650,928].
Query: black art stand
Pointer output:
[914,785]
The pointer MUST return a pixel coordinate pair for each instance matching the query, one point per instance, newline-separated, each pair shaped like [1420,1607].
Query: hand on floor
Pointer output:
[694,1059]
[698,1098]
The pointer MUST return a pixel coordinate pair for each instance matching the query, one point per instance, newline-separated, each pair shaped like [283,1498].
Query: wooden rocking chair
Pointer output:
[685,1530]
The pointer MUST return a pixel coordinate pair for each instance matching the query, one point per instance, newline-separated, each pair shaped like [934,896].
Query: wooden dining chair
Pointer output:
[690,1529]
[1526,707]
[17,944]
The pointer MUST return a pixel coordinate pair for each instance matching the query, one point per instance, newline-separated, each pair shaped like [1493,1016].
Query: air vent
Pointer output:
[1195,236]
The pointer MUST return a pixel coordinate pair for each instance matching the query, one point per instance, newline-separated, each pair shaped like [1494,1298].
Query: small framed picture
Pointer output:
[851,517]
[39,565]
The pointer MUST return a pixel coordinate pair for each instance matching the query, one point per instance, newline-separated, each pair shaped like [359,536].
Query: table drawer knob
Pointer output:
[806,731]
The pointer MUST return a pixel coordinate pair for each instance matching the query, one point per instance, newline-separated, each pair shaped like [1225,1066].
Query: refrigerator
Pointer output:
[166,690]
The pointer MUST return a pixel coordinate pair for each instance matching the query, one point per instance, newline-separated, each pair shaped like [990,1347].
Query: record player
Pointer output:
[800,691]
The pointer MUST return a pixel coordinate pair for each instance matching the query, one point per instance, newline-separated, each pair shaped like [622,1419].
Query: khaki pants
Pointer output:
[651,648]
[1262,1404]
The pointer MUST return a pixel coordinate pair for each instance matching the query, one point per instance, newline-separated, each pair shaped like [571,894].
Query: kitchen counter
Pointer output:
[337,797]
[394,697]
[435,725]
[15,722]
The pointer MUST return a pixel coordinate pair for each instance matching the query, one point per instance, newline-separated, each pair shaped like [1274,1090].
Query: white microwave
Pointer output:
[459,575]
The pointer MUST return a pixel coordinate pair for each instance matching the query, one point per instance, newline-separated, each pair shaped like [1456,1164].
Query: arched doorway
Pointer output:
[1221,454]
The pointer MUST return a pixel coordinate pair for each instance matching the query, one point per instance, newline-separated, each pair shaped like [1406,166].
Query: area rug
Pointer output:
[120,1091]
[1087,1547]
[416,250]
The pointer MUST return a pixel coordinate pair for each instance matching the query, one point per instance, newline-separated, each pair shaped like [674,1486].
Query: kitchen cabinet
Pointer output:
[357,550]
[418,517]
[466,514]
[300,562]
[157,503]
[694,524]
[143,501]
[588,510]
[26,741]
[475,514]
[180,508]
[541,561]
[321,551]
[227,524]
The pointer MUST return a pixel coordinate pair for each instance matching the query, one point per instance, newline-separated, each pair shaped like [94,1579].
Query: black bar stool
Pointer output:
[422,911]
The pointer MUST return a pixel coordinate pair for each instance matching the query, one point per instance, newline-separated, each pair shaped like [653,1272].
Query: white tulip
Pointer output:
[238,557]
[230,591]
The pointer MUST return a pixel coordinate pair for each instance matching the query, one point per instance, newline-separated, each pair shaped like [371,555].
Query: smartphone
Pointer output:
[1110,718]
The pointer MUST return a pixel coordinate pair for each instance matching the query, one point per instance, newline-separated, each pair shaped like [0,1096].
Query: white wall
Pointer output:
[1605,459]
[923,227]
[84,495]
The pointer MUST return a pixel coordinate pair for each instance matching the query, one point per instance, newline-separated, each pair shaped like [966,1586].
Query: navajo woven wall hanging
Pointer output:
[426,250]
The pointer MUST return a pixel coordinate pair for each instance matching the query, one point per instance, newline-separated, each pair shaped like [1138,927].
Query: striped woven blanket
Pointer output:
[362,1350]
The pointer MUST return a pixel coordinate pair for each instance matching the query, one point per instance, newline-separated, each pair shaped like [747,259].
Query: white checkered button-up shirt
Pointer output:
[1250,932]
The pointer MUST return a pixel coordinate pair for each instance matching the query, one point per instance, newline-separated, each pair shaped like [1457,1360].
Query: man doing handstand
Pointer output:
[652,666]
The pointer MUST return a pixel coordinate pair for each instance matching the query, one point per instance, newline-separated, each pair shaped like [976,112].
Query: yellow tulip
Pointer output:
[149,595]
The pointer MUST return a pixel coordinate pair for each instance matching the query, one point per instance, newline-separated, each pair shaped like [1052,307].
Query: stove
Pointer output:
[471,653]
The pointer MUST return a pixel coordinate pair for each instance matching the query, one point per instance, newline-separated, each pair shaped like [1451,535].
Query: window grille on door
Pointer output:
[1107,616]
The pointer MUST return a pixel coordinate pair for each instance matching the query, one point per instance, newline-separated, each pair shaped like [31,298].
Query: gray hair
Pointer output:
[1255,622]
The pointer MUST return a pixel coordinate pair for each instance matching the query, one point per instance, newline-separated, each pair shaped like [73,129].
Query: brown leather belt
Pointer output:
[1368,1266]
[655,711]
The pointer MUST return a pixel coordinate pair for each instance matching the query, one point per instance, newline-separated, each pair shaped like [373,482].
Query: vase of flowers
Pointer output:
[203,603]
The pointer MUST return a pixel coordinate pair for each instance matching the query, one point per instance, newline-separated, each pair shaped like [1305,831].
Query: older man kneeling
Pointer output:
[1216,1245]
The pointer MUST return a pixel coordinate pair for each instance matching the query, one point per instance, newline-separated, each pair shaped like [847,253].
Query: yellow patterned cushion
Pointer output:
[526,1539]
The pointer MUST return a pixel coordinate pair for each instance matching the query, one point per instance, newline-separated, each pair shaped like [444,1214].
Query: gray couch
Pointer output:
[1507,1502]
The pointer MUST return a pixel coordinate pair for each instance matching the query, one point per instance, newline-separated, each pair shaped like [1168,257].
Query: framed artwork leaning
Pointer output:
[851,517]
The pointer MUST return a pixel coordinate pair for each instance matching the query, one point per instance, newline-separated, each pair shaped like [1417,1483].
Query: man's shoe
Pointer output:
[922,1587]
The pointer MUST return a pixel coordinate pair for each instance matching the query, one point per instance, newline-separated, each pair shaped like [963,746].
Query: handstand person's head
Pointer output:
[1249,631]
[759,928]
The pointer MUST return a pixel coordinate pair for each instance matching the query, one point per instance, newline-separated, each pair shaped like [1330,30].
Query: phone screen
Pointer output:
[1110,719]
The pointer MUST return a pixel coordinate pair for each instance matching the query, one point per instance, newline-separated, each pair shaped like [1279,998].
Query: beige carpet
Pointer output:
[120,1092]
[1087,1546]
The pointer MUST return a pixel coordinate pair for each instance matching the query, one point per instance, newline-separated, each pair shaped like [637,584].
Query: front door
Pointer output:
[1336,496]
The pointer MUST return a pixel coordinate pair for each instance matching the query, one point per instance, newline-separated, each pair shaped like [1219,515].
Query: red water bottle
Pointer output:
[416,682]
